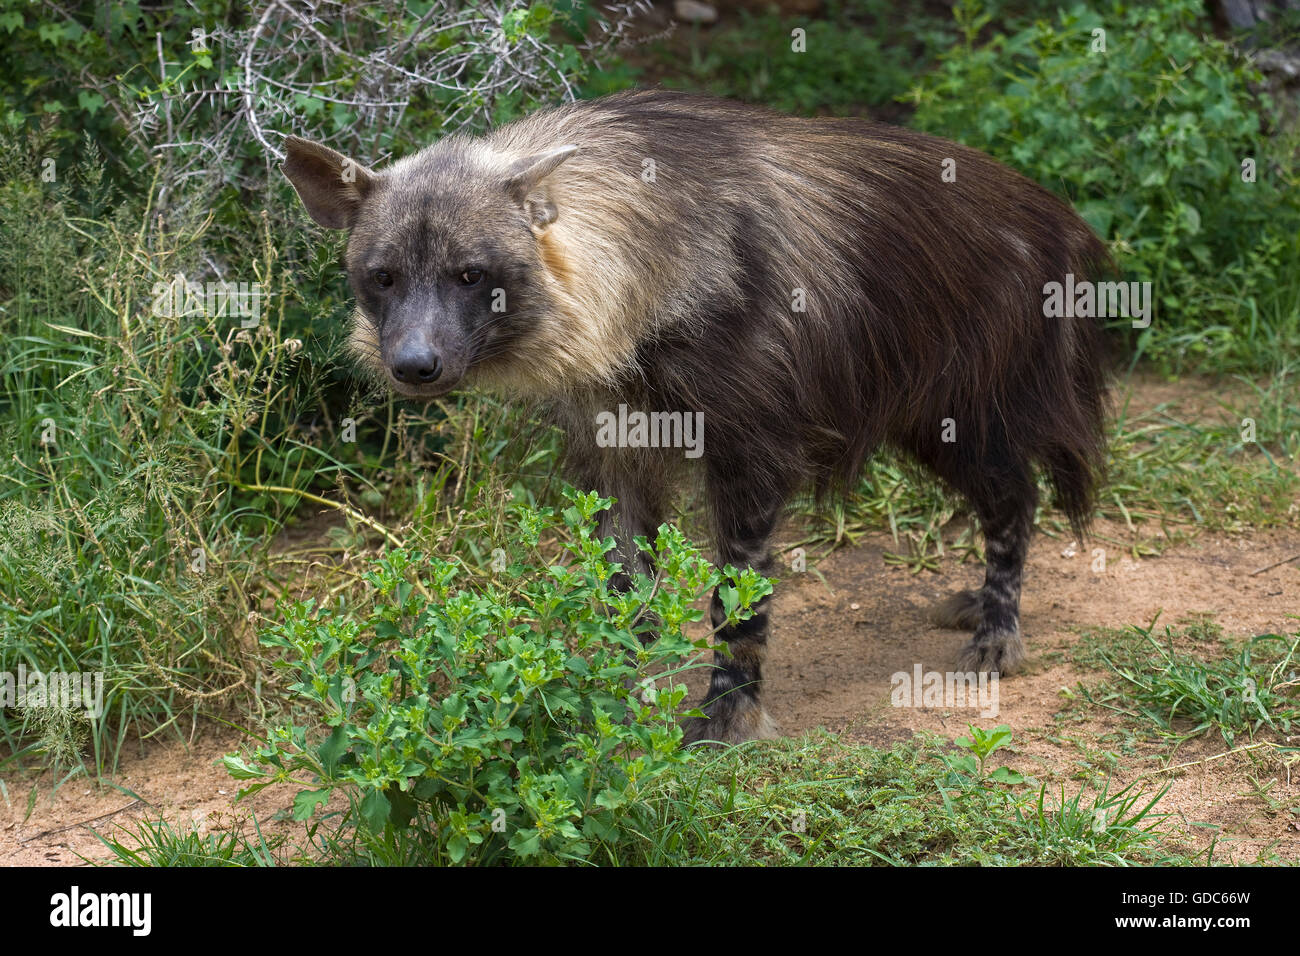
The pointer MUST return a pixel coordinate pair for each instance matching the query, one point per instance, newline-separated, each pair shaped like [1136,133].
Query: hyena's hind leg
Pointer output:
[999,483]
[993,611]
[961,611]
[732,703]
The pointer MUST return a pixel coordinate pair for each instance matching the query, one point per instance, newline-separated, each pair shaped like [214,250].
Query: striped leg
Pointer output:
[640,506]
[631,516]
[997,645]
[732,704]
[636,512]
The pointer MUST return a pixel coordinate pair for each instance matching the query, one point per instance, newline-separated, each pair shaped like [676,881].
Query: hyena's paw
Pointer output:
[731,721]
[1001,652]
[962,611]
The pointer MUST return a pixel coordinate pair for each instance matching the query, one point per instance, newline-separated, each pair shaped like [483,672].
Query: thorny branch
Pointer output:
[293,68]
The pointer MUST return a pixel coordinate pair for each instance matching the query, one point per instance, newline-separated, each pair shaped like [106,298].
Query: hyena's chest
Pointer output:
[649,434]
[629,437]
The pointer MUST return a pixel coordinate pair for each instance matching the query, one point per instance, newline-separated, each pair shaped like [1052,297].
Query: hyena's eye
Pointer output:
[471,277]
[381,278]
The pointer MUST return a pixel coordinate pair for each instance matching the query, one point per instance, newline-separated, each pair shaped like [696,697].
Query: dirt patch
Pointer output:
[183,782]
[836,645]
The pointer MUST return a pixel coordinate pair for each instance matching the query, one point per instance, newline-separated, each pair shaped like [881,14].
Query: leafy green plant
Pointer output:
[516,717]
[980,745]
[808,65]
[819,800]
[1158,133]
[1112,830]
[1248,691]
[150,453]
[366,74]
[158,843]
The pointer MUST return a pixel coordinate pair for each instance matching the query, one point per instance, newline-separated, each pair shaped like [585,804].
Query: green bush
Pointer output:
[1148,139]
[383,76]
[863,53]
[513,719]
[188,104]
[150,453]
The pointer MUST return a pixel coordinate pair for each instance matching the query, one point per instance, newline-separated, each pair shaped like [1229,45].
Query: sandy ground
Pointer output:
[182,781]
[835,646]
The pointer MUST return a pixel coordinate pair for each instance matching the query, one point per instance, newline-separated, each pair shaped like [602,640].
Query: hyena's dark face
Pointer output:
[442,279]
[442,255]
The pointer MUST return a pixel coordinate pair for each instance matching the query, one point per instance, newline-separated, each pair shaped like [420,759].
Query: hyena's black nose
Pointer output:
[416,364]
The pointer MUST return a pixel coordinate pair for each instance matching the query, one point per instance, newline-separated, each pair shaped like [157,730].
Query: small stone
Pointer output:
[1279,61]
[692,11]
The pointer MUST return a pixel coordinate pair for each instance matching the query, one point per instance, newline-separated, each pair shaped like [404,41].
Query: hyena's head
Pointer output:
[442,254]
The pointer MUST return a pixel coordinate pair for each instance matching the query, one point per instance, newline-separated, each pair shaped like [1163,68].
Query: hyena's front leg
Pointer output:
[636,512]
[735,712]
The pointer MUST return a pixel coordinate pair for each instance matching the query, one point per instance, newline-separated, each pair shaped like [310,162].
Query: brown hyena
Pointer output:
[816,288]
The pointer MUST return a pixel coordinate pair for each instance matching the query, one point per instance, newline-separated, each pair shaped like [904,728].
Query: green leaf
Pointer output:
[964,763]
[526,843]
[332,748]
[53,33]
[457,846]
[374,811]
[90,102]
[1099,215]
[239,769]
[305,802]
[1006,775]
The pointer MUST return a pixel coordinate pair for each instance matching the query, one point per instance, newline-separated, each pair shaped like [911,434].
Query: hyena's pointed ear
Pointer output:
[330,185]
[525,180]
